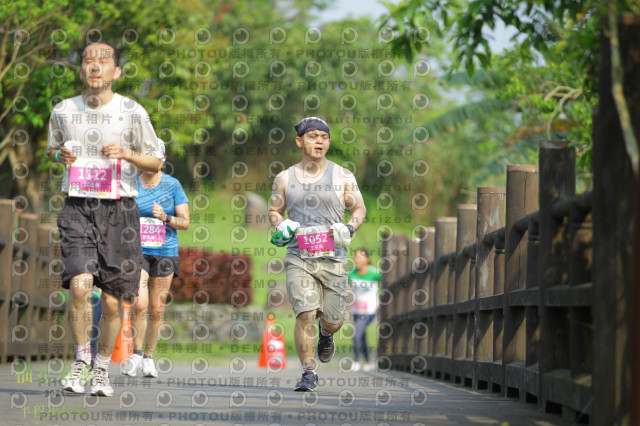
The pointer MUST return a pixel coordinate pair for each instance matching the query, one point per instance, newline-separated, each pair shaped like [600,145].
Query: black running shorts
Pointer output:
[102,237]
[160,266]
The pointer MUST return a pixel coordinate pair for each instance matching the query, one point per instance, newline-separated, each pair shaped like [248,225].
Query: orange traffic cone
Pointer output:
[273,351]
[124,344]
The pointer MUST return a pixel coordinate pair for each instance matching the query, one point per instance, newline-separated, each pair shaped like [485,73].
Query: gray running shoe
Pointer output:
[308,382]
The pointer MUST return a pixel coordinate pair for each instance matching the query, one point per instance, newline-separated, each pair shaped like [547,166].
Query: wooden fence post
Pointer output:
[520,304]
[6,260]
[428,250]
[400,319]
[465,236]
[557,182]
[389,272]
[445,243]
[616,299]
[415,300]
[24,270]
[487,315]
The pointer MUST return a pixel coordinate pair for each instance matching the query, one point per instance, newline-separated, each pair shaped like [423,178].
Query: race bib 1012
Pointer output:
[95,178]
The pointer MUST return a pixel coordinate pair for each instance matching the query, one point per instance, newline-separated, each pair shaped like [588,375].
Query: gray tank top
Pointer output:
[313,204]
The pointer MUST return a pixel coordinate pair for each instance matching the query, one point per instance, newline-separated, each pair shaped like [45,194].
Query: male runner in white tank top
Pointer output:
[314,194]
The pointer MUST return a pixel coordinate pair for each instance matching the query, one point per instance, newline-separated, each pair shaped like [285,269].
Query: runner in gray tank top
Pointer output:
[315,204]
[314,193]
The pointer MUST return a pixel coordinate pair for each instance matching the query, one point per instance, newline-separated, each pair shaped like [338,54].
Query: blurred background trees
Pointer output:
[421,109]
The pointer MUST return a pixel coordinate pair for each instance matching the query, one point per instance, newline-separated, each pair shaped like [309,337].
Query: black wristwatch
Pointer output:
[351,230]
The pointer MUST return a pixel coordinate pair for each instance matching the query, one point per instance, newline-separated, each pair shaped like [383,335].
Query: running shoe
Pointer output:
[100,383]
[368,367]
[76,379]
[133,364]
[326,347]
[149,368]
[308,382]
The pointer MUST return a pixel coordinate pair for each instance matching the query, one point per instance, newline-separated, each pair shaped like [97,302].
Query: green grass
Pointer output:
[221,222]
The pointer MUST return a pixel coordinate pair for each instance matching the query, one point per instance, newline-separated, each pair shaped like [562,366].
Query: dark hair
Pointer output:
[116,52]
[363,251]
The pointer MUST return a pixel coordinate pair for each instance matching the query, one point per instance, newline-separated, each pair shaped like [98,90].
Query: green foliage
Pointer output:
[475,110]
[34,70]
[41,68]
[546,79]
[287,69]
[190,66]
[224,83]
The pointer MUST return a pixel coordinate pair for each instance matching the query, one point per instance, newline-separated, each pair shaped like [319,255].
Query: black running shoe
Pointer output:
[308,382]
[326,347]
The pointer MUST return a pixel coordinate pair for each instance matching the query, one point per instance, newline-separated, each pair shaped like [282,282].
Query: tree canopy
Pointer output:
[546,79]
[420,109]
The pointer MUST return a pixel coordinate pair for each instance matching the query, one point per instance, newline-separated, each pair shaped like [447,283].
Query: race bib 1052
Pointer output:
[315,241]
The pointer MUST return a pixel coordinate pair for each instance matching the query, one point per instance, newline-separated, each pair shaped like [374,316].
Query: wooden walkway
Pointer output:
[241,394]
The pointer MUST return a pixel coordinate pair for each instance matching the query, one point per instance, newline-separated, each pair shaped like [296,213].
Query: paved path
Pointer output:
[242,394]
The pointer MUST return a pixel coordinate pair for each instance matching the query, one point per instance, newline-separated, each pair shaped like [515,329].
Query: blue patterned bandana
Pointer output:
[311,123]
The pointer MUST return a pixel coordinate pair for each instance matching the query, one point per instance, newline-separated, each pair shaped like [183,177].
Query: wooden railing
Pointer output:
[538,300]
[499,297]
[32,305]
